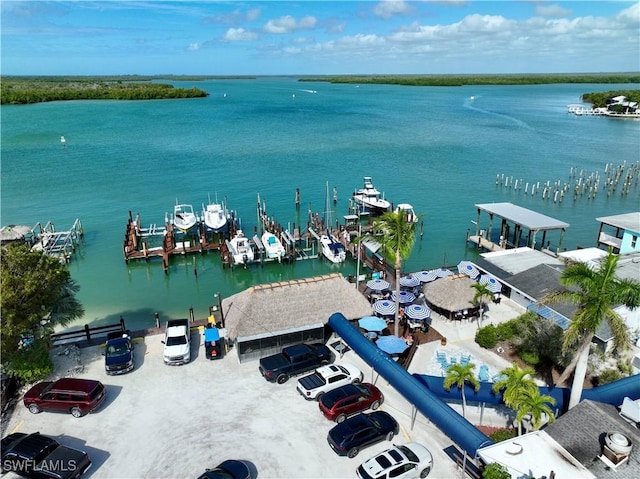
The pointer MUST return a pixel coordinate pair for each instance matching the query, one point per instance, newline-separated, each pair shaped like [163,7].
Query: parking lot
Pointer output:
[174,422]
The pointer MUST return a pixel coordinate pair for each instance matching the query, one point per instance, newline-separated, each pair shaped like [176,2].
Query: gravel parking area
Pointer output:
[174,422]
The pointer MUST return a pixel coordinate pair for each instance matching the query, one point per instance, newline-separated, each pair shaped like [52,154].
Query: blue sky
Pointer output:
[318,37]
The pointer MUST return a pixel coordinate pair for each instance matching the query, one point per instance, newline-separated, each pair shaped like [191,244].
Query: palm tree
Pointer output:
[514,380]
[596,291]
[517,383]
[482,291]
[534,404]
[396,236]
[458,375]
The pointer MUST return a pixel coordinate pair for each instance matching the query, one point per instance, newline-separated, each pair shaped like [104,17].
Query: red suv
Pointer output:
[347,400]
[70,395]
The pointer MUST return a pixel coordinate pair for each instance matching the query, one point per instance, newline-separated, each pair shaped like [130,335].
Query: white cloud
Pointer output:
[554,11]
[630,16]
[388,8]
[253,14]
[193,47]
[239,35]
[288,24]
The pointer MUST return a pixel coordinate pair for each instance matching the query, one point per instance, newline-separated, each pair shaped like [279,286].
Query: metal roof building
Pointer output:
[515,220]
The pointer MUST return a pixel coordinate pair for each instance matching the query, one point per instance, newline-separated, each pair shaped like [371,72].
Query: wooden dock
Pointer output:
[164,241]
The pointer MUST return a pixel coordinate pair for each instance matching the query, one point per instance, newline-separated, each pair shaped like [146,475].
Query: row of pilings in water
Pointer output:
[581,184]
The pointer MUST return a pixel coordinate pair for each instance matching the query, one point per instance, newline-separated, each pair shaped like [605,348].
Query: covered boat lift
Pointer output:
[514,220]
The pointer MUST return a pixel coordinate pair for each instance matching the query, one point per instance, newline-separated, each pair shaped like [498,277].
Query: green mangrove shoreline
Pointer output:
[17,90]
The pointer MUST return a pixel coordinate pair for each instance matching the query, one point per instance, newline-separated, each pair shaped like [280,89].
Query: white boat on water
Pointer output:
[273,246]
[240,248]
[369,198]
[215,216]
[332,249]
[407,209]
[183,217]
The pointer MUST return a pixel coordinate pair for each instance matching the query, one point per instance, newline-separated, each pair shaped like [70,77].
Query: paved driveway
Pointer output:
[173,422]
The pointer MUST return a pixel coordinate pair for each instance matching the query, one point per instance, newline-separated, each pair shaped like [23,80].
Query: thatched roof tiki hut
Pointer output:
[263,319]
[451,296]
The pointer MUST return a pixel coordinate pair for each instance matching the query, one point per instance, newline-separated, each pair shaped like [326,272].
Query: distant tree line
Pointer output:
[17,91]
[461,80]
[599,99]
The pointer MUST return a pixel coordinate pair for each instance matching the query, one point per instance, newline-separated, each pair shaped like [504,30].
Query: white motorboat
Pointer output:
[183,217]
[407,209]
[332,249]
[215,216]
[369,198]
[240,248]
[273,246]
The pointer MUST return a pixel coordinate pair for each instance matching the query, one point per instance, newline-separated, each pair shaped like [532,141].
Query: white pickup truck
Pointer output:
[326,378]
[177,342]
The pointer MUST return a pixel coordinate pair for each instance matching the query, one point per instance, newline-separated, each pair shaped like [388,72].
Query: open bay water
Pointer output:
[433,147]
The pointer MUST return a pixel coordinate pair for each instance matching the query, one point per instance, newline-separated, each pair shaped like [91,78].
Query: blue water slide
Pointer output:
[461,431]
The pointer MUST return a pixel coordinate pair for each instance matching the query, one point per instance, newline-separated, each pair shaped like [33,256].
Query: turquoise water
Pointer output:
[435,148]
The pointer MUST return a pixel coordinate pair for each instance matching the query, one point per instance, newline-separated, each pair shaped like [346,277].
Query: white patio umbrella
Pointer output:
[417,312]
[404,297]
[409,281]
[468,268]
[426,276]
[378,285]
[492,283]
[384,307]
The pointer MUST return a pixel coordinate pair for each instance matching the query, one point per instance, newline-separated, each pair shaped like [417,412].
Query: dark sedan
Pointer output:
[229,469]
[362,430]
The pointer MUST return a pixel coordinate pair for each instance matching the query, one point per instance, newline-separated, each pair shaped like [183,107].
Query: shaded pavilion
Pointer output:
[451,296]
[516,221]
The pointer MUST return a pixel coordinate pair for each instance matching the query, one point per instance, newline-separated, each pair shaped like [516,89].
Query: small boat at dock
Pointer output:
[273,246]
[332,249]
[368,198]
[183,217]
[240,248]
[215,216]
[407,209]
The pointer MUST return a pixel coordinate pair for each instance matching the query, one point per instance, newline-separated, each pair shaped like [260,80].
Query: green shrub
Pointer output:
[608,376]
[531,358]
[495,471]
[503,435]
[31,364]
[506,331]
[487,337]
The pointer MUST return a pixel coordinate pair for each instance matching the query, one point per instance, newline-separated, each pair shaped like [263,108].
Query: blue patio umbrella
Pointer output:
[417,312]
[409,281]
[426,276]
[392,344]
[468,268]
[378,285]
[384,307]
[405,297]
[372,323]
[492,284]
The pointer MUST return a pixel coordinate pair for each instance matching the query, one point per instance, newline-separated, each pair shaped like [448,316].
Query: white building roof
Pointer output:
[535,454]
[628,221]
[517,260]
[522,216]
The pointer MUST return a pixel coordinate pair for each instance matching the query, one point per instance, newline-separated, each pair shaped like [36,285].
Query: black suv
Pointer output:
[38,456]
[118,353]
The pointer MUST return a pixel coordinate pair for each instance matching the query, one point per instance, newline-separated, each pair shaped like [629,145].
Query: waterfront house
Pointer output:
[620,232]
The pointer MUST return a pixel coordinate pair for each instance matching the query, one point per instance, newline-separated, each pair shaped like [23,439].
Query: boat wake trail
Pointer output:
[469,105]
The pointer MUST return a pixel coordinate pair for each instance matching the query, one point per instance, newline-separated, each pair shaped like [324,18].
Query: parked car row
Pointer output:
[343,398]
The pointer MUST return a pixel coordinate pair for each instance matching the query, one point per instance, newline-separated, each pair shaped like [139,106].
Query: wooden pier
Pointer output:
[58,244]
[165,241]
